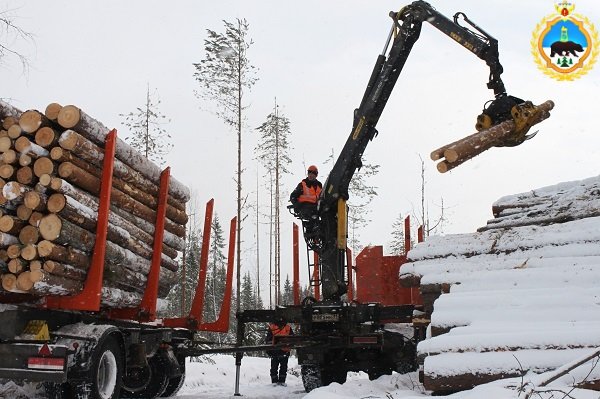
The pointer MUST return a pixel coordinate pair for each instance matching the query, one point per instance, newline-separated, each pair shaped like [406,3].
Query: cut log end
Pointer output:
[52,111]
[50,227]
[68,116]
[29,235]
[56,202]
[43,166]
[9,282]
[31,120]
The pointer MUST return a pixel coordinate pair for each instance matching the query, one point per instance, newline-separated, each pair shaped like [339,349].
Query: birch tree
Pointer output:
[224,76]
[10,35]
[146,125]
[273,152]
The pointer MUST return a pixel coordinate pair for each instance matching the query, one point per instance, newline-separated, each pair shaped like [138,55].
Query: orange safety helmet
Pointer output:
[313,168]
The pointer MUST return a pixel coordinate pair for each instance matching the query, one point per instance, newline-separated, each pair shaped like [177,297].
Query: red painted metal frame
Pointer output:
[406,234]
[222,322]
[420,236]
[146,311]
[89,298]
[195,316]
[316,277]
[296,257]
[350,274]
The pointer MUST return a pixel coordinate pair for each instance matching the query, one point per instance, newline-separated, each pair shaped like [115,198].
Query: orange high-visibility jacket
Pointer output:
[280,331]
[309,194]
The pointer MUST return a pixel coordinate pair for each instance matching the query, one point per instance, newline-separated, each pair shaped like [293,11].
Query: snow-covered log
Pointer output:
[71,117]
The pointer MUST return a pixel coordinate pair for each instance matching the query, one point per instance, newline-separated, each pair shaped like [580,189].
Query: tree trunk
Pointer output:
[69,255]
[67,271]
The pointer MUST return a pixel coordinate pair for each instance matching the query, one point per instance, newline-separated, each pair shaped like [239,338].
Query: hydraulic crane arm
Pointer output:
[405,31]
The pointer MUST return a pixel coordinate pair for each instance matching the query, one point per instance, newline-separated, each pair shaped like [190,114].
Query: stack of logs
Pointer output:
[50,174]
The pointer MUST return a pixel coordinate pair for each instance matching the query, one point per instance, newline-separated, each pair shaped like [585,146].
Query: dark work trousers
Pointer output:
[281,362]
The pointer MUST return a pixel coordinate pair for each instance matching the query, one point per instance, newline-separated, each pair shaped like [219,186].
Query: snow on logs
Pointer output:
[50,175]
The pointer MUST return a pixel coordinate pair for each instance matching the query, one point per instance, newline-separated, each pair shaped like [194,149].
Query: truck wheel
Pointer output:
[311,377]
[104,380]
[175,383]
[157,382]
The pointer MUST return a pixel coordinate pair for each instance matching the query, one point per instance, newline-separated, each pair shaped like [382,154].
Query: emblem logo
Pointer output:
[565,45]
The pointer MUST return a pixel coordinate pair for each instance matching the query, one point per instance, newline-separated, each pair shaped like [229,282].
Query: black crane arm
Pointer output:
[405,31]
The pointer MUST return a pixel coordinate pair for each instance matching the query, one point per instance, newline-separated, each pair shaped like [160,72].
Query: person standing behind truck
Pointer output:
[279,357]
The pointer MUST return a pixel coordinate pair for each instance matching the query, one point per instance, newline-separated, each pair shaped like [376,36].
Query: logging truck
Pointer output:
[89,236]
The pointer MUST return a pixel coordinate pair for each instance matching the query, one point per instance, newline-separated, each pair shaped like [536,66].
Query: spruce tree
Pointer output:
[288,294]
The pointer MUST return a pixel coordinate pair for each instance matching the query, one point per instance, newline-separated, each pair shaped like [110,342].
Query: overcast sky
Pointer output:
[316,58]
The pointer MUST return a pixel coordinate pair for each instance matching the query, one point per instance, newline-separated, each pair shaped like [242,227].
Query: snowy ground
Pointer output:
[215,379]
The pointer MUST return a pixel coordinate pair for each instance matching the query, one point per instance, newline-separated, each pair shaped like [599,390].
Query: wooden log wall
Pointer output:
[50,174]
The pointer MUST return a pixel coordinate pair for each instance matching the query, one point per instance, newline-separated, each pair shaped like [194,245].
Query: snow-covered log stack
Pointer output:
[50,175]
[519,295]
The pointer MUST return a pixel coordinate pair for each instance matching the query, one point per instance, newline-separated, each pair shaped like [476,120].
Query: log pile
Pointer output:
[50,177]
[519,295]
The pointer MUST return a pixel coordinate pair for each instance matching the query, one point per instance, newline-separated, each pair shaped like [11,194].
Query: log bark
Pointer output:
[468,147]
[63,232]
[62,270]
[7,239]
[42,282]
[32,120]
[136,226]
[85,217]
[60,154]
[93,154]
[69,255]
[71,117]
[13,190]
[90,183]
[24,146]
[7,110]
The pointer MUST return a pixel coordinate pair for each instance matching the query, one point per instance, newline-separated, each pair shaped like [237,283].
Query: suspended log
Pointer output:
[71,117]
[90,183]
[93,154]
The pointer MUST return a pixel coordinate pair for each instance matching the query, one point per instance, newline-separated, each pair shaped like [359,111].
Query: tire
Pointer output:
[376,373]
[157,383]
[311,377]
[104,379]
[174,384]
